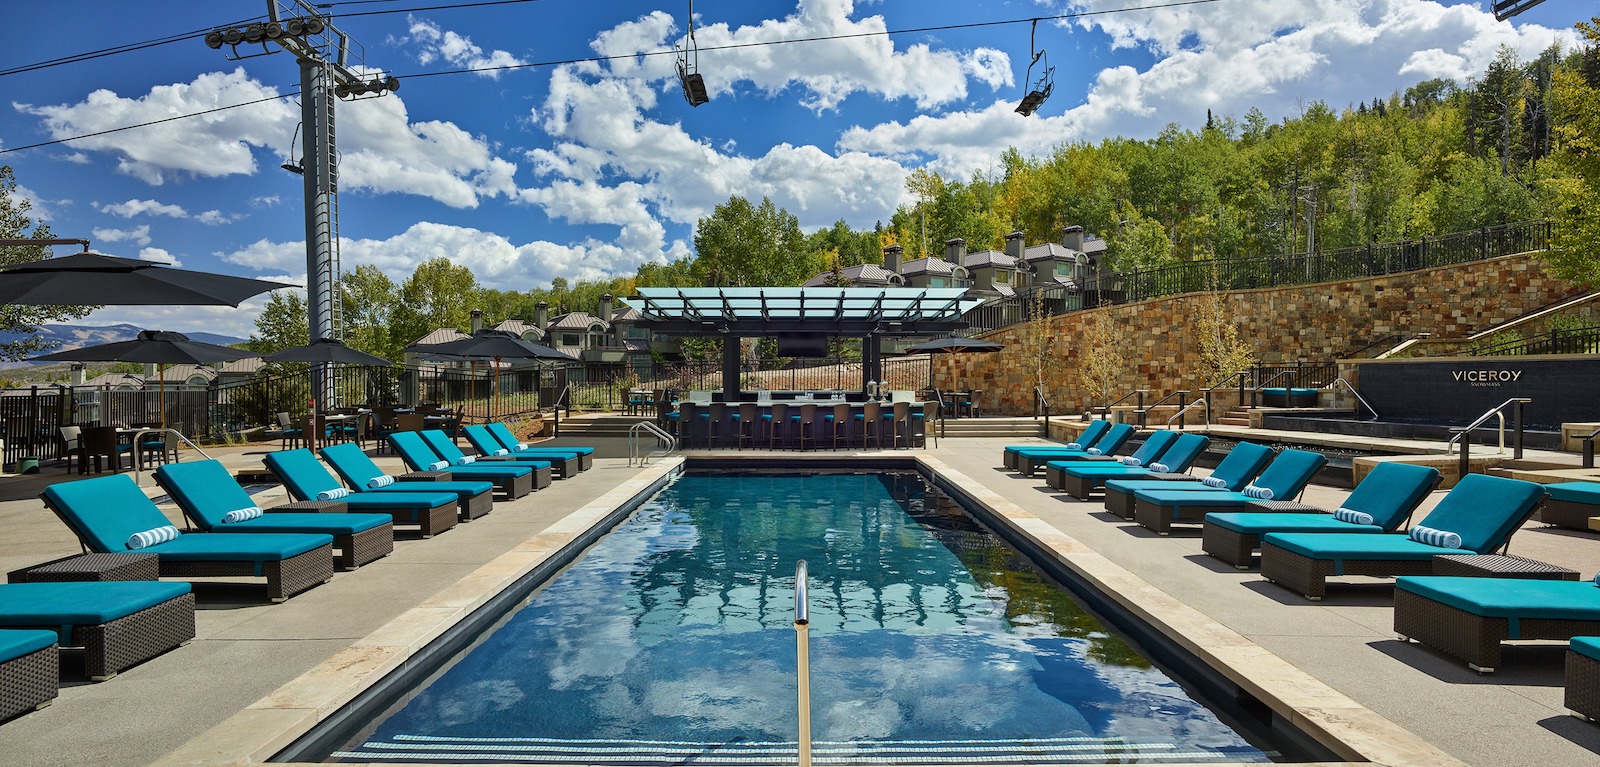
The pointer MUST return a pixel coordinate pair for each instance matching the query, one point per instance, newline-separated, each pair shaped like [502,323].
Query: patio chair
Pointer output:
[103,442]
[1380,503]
[1085,439]
[565,462]
[72,445]
[1571,504]
[291,433]
[209,496]
[870,419]
[1480,512]
[1469,617]
[117,623]
[306,479]
[1233,472]
[1283,479]
[30,670]
[158,447]
[111,514]
[442,446]
[1028,460]
[513,481]
[359,473]
[1080,480]
[502,433]
[1151,449]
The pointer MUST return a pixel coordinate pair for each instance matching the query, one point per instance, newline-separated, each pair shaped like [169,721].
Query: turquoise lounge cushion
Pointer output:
[1154,447]
[499,469]
[1263,522]
[1099,470]
[81,603]
[15,643]
[106,510]
[1588,647]
[239,547]
[1177,498]
[204,490]
[509,440]
[1390,491]
[1131,486]
[1289,472]
[1241,464]
[1341,546]
[1575,492]
[1484,510]
[408,499]
[1511,598]
[308,522]
[355,467]
[464,490]
[302,474]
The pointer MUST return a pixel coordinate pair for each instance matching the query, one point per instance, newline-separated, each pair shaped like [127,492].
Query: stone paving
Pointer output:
[169,709]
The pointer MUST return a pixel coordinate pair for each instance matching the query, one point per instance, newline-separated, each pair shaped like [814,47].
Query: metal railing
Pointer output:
[1178,416]
[1588,448]
[662,438]
[1464,435]
[1584,340]
[802,644]
[1041,404]
[1183,399]
[1351,387]
[1137,395]
[138,454]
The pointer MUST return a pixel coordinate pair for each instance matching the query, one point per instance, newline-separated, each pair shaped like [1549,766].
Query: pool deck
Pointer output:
[258,670]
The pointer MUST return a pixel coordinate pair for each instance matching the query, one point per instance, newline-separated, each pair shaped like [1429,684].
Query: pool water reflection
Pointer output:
[670,640]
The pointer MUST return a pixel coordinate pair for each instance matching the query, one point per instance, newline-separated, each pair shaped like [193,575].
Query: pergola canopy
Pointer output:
[771,311]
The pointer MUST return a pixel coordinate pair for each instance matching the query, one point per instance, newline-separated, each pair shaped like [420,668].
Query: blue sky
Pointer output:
[587,170]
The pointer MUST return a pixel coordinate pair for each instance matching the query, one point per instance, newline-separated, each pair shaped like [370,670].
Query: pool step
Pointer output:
[1064,750]
[1235,416]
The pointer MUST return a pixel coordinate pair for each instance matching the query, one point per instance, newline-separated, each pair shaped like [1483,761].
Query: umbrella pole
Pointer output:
[494,388]
[161,381]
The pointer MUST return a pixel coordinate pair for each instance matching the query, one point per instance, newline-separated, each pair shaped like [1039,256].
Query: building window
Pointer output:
[1002,277]
[1063,270]
[570,339]
[938,282]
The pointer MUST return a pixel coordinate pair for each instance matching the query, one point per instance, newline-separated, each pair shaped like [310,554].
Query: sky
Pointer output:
[567,150]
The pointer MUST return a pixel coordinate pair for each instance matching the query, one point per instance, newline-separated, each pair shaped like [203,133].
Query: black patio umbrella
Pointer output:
[96,279]
[951,345]
[326,350]
[161,347]
[489,343]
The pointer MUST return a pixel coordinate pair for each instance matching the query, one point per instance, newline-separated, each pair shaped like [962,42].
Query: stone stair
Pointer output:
[1235,416]
[599,426]
[991,427]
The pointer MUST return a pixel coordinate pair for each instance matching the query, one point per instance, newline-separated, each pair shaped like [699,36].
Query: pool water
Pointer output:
[671,640]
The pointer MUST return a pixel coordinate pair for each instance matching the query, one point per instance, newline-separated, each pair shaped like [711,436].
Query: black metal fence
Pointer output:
[1372,260]
[788,374]
[1584,340]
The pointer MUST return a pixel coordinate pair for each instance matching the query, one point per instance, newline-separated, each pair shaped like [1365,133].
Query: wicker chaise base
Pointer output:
[29,682]
[1583,686]
[1472,638]
[1161,518]
[110,647]
[476,506]
[285,577]
[1119,503]
[1231,546]
[1310,576]
[363,547]
[1076,486]
[1574,516]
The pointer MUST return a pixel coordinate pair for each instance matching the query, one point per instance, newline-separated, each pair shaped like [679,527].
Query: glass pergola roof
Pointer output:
[748,312]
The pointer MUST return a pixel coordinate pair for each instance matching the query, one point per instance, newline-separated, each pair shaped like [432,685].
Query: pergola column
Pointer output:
[732,355]
[871,359]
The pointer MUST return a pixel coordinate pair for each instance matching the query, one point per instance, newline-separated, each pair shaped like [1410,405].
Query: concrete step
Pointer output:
[1243,423]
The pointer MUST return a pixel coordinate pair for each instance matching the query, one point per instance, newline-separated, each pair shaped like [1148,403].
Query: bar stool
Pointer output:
[693,423]
[750,423]
[899,422]
[716,416]
[841,422]
[805,423]
[777,424]
[870,426]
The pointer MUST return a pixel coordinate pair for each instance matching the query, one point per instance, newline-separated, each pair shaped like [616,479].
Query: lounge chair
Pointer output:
[1483,510]
[1583,677]
[1080,479]
[1085,438]
[509,441]
[514,481]
[207,493]
[107,512]
[489,448]
[1233,472]
[117,623]
[432,511]
[1388,494]
[1468,617]
[442,446]
[30,669]
[1284,479]
[474,498]
[1571,504]
[1027,460]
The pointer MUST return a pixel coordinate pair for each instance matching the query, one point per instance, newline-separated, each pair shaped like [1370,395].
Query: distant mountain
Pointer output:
[75,336]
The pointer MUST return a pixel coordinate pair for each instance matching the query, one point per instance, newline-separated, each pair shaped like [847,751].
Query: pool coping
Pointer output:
[271,724]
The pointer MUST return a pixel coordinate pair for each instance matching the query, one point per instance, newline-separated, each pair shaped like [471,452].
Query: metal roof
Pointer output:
[757,312]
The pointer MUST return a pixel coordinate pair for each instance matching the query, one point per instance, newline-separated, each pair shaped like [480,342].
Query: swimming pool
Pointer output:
[670,641]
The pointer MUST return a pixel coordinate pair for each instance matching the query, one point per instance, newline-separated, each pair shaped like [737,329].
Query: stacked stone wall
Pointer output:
[1317,322]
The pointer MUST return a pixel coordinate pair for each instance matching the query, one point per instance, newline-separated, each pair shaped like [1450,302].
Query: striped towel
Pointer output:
[152,536]
[240,515]
[1441,538]
[332,495]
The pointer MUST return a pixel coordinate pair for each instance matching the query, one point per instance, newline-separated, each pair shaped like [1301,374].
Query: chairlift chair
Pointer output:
[1039,90]
[694,86]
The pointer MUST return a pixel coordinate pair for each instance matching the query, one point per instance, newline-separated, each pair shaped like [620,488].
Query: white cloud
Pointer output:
[76,158]
[434,43]
[158,255]
[38,209]
[265,201]
[139,235]
[133,208]
[217,217]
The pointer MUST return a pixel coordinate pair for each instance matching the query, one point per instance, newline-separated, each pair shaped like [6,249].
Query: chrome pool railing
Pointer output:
[802,643]
[669,442]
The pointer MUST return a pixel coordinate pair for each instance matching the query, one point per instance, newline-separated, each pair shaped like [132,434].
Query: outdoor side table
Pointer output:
[424,476]
[1284,507]
[119,566]
[315,507]
[1500,566]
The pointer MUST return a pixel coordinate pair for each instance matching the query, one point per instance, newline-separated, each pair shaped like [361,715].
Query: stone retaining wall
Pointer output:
[1315,322]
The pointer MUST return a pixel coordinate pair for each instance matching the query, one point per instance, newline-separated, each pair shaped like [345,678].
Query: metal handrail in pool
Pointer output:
[1178,416]
[1498,411]
[1359,398]
[659,433]
[802,647]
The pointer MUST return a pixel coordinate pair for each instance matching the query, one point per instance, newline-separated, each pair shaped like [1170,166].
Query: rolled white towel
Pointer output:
[240,515]
[1432,537]
[437,466]
[153,536]
[1074,446]
[1160,467]
[1352,516]
[333,495]
[464,460]
[1264,493]
[1129,460]
[501,451]
[382,480]
[1213,482]
[1093,451]
[521,446]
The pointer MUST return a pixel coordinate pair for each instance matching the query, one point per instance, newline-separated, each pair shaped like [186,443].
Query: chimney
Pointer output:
[541,316]
[891,258]
[150,372]
[983,279]
[76,376]
[955,251]
[477,320]
[1072,237]
[1014,245]
[605,308]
